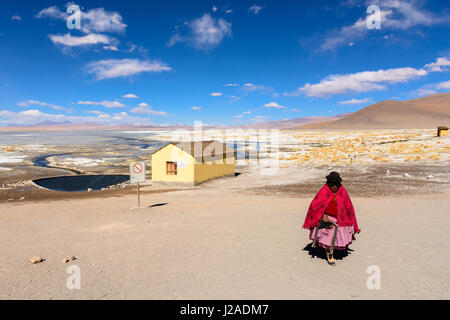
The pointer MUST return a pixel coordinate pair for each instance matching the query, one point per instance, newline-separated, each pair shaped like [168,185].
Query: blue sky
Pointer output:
[222,62]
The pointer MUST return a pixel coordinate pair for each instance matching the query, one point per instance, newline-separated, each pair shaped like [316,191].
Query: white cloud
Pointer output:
[116,68]
[204,33]
[99,20]
[72,41]
[255,9]
[240,116]
[404,14]
[370,80]
[348,34]
[424,92]
[106,104]
[144,108]
[96,112]
[259,119]
[52,12]
[360,82]
[111,48]
[16,18]
[432,89]
[130,96]
[250,87]
[232,85]
[32,116]
[214,9]
[395,15]
[31,113]
[94,20]
[440,65]
[30,103]
[444,85]
[274,105]
[355,101]
[196,108]
[216,94]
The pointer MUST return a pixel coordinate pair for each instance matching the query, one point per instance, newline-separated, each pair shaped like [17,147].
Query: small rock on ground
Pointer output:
[71,258]
[35,260]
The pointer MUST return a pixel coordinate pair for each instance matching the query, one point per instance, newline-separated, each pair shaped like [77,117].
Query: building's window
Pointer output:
[171,168]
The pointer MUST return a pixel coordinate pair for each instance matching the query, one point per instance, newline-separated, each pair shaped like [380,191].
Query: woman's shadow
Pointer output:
[320,252]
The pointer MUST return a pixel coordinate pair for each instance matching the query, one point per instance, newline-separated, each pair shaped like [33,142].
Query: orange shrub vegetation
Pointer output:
[380,158]
[417,150]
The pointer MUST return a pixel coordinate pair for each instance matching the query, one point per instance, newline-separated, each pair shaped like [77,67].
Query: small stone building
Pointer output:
[442,131]
[192,163]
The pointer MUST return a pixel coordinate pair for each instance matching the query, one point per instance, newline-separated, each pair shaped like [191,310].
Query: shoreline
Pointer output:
[361,181]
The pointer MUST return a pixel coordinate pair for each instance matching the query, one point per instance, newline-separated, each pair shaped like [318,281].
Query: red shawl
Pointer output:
[345,212]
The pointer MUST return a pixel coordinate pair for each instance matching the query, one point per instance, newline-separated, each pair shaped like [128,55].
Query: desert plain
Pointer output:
[231,238]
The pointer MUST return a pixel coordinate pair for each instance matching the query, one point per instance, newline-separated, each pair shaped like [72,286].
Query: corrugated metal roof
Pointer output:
[197,150]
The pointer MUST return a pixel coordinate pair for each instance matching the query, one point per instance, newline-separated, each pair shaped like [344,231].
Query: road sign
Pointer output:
[137,175]
[137,172]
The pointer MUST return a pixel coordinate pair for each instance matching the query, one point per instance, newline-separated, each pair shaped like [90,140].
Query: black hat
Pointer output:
[334,178]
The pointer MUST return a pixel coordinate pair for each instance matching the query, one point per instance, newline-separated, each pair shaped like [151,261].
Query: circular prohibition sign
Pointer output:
[137,168]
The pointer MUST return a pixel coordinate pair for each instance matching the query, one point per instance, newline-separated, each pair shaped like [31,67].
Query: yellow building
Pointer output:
[192,162]
[442,131]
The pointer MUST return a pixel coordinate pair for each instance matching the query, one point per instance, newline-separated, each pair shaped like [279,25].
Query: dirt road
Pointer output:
[206,244]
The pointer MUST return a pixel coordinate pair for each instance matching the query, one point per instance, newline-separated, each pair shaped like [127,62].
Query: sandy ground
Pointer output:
[211,244]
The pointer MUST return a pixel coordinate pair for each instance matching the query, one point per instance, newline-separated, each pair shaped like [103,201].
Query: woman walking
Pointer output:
[331,218]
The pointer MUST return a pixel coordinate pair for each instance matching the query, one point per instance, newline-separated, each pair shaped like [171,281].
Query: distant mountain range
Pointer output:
[66,125]
[69,126]
[421,113]
[50,123]
[292,123]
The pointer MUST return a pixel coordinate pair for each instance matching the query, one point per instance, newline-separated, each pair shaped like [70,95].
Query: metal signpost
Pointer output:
[137,175]
[352,157]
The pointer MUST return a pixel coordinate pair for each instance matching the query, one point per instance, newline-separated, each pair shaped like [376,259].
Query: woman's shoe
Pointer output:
[330,260]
